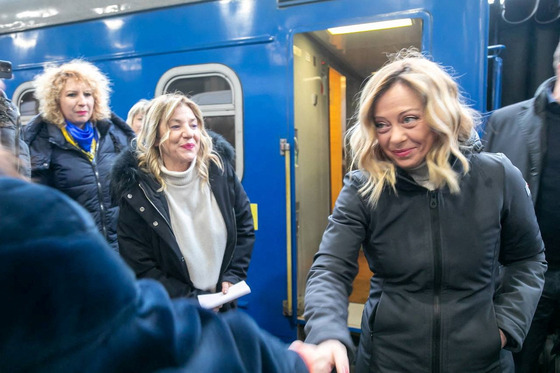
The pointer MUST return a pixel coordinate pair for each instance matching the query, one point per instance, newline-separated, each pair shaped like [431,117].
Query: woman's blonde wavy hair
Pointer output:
[444,111]
[158,112]
[49,85]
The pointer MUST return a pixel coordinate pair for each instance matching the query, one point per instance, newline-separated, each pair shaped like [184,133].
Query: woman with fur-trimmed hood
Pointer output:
[75,139]
[185,218]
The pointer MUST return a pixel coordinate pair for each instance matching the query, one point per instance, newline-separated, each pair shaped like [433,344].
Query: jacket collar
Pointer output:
[541,95]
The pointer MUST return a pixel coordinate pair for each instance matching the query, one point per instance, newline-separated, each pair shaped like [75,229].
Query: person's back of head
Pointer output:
[71,305]
[63,287]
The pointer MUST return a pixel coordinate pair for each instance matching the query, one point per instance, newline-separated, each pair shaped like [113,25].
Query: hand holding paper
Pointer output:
[217,299]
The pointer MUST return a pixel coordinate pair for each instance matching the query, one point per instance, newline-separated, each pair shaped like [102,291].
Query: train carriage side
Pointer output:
[281,88]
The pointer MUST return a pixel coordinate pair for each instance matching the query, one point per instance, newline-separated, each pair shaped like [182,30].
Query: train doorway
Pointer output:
[329,71]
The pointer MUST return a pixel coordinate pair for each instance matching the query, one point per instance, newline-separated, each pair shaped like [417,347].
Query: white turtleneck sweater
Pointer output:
[198,225]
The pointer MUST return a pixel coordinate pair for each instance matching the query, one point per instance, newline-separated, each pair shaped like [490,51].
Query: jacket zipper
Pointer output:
[100,197]
[99,189]
[436,331]
[102,212]
[154,206]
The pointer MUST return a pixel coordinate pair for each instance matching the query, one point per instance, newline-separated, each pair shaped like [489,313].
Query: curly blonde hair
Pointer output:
[157,113]
[445,112]
[49,85]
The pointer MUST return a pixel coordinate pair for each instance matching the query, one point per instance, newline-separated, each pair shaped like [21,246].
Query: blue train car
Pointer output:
[278,78]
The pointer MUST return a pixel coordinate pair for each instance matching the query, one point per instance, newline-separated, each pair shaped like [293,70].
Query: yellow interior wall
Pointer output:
[335,132]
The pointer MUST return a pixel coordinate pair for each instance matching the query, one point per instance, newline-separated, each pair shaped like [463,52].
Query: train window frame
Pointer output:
[235,108]
[20,91]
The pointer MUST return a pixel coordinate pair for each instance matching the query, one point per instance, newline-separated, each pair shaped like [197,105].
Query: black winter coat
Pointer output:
[146,239]
[435,302]
[57,163]
[519,131]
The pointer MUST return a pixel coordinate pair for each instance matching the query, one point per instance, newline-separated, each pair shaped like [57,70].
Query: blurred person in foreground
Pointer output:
[72,305]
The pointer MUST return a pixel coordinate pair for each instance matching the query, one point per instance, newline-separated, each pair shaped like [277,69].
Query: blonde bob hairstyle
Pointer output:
[137,108]
[49,85]
[158,112]
[444,111]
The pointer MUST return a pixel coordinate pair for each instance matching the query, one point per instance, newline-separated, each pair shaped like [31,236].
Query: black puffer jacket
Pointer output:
[57,163]
[146,239]
[519,131]
[435,304]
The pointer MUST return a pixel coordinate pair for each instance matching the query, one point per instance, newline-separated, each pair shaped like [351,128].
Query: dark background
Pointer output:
[530,33]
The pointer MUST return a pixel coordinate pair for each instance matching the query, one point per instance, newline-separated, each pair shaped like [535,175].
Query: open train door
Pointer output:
[329,71]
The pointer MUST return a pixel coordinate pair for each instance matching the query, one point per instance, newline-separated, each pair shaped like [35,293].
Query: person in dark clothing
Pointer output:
[75,139]
[72,304]
[437,220]
[10,134]
[185,218]
[528,133]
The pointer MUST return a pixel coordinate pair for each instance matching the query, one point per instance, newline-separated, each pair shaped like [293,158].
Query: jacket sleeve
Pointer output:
[134,238]
[522,258]
[39,154]
[193,339]
[334,268]
[239,265]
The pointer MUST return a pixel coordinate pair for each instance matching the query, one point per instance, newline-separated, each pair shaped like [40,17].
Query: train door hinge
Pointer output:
[288,311]
[284,146]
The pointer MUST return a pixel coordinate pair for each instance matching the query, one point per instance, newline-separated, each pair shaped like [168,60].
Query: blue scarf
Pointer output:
[83,137]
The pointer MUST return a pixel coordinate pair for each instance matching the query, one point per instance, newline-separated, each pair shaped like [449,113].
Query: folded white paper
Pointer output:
[217,299]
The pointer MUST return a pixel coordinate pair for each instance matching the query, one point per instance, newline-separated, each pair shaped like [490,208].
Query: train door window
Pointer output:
[217,91]
[24,99]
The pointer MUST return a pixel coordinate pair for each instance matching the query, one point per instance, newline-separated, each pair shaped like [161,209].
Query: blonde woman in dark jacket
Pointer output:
[185,218]
[73,142]
[437,221]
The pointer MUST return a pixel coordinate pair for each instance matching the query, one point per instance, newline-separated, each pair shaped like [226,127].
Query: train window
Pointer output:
[217,90]
[24,98]
[223,125]
[208,90]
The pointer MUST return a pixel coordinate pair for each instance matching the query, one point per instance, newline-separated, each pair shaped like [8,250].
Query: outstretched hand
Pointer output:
[322,358]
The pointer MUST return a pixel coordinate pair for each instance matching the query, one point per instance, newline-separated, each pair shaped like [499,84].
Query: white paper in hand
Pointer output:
[217,299]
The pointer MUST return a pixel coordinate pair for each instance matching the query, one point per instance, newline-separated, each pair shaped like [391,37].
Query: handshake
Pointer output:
[325,356]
